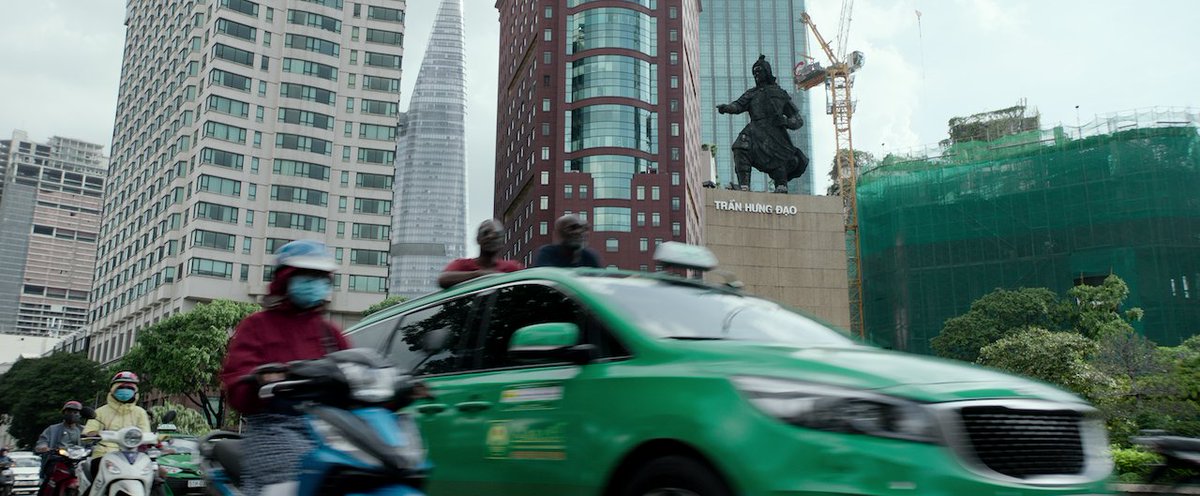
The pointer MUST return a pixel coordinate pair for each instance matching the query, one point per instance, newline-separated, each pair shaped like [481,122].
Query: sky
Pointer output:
[62,60]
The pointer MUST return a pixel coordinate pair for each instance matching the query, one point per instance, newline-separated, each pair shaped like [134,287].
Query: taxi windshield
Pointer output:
[692,311]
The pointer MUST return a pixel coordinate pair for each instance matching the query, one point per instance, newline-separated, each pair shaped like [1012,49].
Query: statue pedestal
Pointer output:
[787,248]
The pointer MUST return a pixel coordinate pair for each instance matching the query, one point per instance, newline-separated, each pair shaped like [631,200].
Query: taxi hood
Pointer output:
[920,378]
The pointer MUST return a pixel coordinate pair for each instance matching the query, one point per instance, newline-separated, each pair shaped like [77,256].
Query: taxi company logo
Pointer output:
[756,208]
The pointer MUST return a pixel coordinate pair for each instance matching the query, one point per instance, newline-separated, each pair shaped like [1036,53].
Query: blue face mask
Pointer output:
[308,291]
[124,395]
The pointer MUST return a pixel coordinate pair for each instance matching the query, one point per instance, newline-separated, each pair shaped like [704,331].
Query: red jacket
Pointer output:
[281,333]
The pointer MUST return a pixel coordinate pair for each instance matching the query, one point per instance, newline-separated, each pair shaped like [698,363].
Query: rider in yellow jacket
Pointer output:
[120,412]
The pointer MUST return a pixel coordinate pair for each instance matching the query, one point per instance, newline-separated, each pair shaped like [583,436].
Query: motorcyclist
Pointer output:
[4,458]
[60,435]
[120,412]
[291,327]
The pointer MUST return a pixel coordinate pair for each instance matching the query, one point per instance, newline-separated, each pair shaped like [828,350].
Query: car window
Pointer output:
[681,310]
[447,323]
[185,446]
[523,305]
[373,336]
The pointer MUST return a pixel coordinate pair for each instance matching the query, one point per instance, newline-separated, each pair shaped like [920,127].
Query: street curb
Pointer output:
[1149,489]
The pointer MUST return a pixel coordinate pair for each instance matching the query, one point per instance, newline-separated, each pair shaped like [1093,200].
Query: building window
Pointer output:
[644,244]
[676,229]
[612,245]
[675,203]
[546,80]
[611,219]
[641,192]
[655,193]
[345,178]
[247,244]
[545,177]
[674,58]
[674,179]
[546,57]
[674,35]
[545,129]
[548,35]
[674,105]
[674,82]
[543,228]
[545,105]
[674,129]
[641,219]
[545,153]
[544,203]
[655,219]
[673,13]
[583,191]
[674,153]
[568,190]
[549,12]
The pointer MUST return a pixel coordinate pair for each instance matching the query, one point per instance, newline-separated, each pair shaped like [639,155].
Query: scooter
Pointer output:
[1182,453]
[7,479]
[127,471]
[63,465]
[361,447]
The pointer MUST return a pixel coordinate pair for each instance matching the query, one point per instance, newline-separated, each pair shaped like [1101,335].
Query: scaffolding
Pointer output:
[1053,208]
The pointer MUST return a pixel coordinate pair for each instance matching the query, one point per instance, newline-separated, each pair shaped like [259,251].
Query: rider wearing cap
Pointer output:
[60,435]
[120,412]
[291,327]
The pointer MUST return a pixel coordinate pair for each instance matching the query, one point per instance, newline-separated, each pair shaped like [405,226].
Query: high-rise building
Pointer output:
[733,33]
[599,115]
[50,202]
[242,125]
[430,204]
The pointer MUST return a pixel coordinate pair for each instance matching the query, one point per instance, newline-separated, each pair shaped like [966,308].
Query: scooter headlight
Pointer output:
[414,450]
[368,384]
[77,452]
[132,438]
[333,437]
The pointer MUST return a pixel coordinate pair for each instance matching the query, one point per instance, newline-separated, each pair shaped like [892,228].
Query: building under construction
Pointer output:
[1003,204]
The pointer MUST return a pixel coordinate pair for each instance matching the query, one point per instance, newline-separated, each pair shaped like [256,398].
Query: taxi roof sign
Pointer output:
[674,253]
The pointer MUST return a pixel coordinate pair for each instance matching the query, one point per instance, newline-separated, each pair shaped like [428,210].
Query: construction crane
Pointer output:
[839,80]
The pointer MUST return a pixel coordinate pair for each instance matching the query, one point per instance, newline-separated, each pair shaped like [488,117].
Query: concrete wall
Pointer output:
[794,254]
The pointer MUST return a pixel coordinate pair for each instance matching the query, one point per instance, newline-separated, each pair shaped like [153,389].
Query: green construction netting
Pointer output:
[1033,210]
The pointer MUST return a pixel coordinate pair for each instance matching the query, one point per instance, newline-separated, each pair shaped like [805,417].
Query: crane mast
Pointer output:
[839,81]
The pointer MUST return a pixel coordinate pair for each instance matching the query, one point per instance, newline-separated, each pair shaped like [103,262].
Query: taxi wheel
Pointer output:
[675,476]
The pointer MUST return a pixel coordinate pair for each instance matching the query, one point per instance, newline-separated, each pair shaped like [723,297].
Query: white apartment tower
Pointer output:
[242,125]
[431,163]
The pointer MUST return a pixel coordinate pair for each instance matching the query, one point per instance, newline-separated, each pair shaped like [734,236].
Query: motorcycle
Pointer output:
[7,479]
[127,471]
[61,479]
[1181,454]
[361,447]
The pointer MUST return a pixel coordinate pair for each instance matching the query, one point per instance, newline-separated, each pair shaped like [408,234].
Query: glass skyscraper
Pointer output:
[733,33]
[428,224]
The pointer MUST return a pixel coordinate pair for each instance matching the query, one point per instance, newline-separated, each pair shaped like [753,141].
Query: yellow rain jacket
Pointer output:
[115,416]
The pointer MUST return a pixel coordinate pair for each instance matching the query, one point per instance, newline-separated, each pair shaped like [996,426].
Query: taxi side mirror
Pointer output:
[551,341]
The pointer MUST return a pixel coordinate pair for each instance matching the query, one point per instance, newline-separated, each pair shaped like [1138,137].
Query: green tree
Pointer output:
[994,316]
[1056,357]
[187,420]
[862,160]
[33,391]
[390,301]
[182,355]
[1096,310]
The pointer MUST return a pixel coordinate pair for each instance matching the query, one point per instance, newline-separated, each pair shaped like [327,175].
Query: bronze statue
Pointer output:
[764,143]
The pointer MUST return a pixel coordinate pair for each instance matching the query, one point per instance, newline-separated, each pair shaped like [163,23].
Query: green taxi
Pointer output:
[604,382]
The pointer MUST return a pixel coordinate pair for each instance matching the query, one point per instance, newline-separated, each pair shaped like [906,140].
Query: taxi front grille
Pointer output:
[1026,443]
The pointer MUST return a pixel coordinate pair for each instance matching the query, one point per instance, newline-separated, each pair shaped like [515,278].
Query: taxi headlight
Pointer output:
[834,409]
[171,470]
[132,438]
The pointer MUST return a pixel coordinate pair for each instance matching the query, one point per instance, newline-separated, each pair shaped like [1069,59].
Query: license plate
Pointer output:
[196,483]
